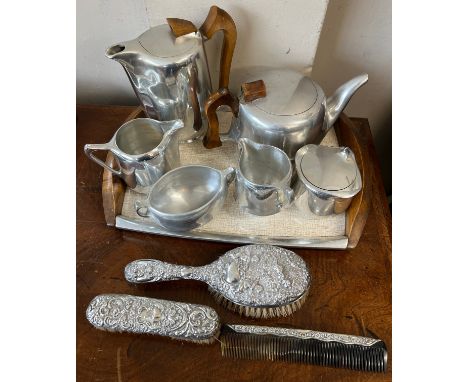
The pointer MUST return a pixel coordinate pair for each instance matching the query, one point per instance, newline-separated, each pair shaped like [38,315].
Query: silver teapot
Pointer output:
[168,69]
[282,108]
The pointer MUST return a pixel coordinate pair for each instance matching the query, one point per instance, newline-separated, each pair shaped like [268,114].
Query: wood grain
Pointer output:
[221,97]
[253,90]
[180,27]
[356,215]
[113,187]
[350,293]
[219,20]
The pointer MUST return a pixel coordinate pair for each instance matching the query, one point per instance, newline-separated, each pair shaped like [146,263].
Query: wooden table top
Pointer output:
[350,293]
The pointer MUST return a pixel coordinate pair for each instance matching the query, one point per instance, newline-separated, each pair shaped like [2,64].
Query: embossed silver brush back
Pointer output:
[125,313]
[255,280]
[304,346]
[200,324]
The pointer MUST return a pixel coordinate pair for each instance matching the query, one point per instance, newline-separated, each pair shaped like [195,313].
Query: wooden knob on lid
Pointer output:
[253,90]
[180,27]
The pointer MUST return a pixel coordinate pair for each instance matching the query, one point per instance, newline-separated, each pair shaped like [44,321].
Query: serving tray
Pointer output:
[292,227]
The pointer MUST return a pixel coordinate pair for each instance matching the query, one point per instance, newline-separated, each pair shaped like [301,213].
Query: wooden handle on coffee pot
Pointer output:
[218,19]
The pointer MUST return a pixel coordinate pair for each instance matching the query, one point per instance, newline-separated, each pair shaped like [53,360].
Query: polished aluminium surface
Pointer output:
[330,242]
[131,314]
[252,275]
[330,177]
[186,197]
[262,178]
[169,75]
[144,148]
[294,112]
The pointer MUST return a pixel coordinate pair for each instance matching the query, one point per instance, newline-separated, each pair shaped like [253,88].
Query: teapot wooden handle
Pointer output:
[219,19]
[221,97]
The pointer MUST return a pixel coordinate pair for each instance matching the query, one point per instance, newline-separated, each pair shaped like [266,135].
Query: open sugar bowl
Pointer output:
[186,197]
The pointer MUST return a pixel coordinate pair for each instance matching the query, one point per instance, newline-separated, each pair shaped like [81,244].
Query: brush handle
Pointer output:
[150,271]
[131,314]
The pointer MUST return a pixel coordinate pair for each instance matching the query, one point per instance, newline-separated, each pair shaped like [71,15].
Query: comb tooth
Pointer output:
[311,351]
[374,363]
[371,360]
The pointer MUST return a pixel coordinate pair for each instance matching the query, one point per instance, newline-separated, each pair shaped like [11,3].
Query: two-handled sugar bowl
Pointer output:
[187,197]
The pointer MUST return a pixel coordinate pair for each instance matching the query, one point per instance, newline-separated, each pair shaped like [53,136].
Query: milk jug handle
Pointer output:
[89,150]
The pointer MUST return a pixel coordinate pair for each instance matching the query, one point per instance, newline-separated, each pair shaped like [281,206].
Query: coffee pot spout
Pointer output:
[119,51]
[338,101]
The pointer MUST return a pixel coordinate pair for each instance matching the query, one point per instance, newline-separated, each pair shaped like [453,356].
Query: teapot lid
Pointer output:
[327,168]
[287,93]
[160,42]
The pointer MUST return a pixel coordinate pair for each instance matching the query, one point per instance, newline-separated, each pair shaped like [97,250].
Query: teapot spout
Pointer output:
[338,101]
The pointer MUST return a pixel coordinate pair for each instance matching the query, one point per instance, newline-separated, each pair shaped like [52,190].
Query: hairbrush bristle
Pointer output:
[260,312]
[309,351]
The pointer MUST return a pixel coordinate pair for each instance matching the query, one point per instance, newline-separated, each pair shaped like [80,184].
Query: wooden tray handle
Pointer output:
[218,19]
[113,187]
[349,135]
[221,97]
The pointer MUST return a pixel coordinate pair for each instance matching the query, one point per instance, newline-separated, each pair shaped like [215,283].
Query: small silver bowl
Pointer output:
[186,197]
[329,176]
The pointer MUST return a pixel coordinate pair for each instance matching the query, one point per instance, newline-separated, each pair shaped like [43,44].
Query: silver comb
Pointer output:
[304,346]
[254,280]
[201,324]
[125,313]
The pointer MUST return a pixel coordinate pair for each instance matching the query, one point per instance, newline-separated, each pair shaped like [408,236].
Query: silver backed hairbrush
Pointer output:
[254,280]
[201,324]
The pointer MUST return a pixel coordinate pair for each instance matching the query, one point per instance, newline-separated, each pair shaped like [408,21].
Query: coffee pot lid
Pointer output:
[287,92]
[160,42]
[327,168]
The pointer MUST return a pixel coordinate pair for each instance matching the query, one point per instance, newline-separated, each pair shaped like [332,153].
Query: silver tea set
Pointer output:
[278,128]
[280,118]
